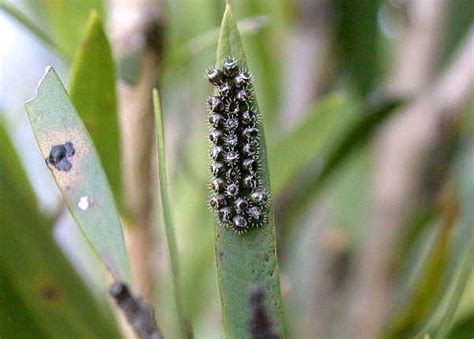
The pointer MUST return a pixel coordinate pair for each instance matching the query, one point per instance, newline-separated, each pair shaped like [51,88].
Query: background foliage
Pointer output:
[332,80]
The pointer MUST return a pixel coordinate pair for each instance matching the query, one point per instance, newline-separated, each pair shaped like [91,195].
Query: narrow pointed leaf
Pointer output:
[67,21]
[167,219]
[245,260]
[79,176]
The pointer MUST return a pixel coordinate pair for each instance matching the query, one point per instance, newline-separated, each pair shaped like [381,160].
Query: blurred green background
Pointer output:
[333,80]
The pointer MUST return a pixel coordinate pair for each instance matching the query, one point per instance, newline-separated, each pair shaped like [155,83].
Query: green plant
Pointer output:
[369,231]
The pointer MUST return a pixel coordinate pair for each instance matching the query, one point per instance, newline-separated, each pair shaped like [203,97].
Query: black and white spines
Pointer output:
[237,196]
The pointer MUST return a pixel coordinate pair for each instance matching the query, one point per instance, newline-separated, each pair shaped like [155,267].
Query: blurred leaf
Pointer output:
[459,21]
[312,175]
[245,260]
[190,190]
[84,186]
[462,256]
[93,94]
[32,27]
[185,52]
[41,294]
[15,317]
[320,128]
[436,171]
[67,21]
[464,329]
[438,285]
[465,310]
[357,39]
[184,330]
[425,291]
[264,60]
[349,195]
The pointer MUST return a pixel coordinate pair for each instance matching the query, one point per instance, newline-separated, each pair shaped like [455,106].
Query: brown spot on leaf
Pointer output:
[49,292]
[261,323]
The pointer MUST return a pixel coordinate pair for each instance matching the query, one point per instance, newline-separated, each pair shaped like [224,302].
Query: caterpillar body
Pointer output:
[237,196]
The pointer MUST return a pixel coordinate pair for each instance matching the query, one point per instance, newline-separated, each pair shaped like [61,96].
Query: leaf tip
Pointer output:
[228,8]
[48,72]
[93,20]
[94,14]
[156,100]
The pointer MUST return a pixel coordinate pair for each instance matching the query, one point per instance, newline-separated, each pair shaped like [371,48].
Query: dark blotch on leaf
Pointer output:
[59,154]
[260,324]
[49,292]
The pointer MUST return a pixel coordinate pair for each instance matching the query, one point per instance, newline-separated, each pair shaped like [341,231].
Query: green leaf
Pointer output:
[32,27]
[462,256]
[245,260]
[464,329]
[55,121]
[263,60]
[439,285]
[185,52]
[357,39]
[41,294]
[67,21]
[463,322]
[167,220]
[93,94]
[313,135]
[459,21]
[355,133]
[426,288]
[15,317]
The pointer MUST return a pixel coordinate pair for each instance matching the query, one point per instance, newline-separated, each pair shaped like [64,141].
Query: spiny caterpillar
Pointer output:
[237,196]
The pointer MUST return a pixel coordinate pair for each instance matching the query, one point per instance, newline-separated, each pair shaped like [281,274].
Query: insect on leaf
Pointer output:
[248,259]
